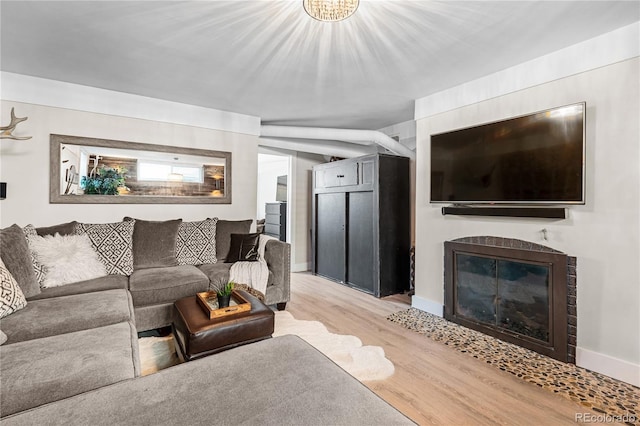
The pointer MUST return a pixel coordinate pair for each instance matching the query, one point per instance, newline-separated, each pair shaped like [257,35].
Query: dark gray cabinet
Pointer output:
[360,225]
[330,228]
[360,241]
[275,220]
[341,175]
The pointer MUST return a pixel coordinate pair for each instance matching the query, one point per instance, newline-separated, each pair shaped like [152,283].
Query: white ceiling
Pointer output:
[269,59]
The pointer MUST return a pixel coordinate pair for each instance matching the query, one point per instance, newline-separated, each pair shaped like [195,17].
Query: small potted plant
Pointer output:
[223,292]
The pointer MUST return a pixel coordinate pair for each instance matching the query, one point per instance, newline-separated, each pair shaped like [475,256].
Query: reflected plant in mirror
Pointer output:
[105,181]
[88,170]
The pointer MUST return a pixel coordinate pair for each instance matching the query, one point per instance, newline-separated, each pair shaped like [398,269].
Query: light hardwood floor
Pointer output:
[433,384]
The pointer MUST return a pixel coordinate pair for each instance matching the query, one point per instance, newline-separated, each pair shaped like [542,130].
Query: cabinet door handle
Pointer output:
[340,176]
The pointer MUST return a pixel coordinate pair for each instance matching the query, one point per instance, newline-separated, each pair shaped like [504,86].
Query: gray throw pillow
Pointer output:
[68,228]
[224,229]
[244,248]
[154,243]
[16,255]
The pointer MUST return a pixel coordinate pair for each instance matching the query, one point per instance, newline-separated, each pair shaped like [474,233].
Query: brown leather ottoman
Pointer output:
[196,335]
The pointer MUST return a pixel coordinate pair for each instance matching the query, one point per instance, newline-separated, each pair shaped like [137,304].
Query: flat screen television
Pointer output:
[533,159]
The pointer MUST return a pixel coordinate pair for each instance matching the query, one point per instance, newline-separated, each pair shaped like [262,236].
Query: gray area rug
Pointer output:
[590,389]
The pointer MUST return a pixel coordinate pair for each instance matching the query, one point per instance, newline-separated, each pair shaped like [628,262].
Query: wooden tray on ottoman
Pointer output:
[208,301]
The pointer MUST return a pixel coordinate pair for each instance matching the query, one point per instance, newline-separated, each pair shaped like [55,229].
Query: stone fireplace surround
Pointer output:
[510,243]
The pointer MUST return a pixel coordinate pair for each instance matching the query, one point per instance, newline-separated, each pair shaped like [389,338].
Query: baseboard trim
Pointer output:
[608,365]
[301,267]
[427,305]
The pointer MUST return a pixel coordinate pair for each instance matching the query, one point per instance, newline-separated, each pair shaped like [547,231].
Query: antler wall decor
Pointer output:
[6,130]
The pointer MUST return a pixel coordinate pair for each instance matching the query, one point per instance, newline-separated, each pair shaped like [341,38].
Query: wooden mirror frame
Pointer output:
[55,197]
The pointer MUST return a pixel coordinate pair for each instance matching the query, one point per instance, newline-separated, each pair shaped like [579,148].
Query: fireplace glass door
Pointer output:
[504,293]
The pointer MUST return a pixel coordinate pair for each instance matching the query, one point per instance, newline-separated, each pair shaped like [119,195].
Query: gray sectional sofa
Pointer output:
[81,336]
[71,355]
[155,289]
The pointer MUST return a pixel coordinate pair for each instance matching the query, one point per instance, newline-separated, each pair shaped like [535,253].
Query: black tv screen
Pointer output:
[533,159]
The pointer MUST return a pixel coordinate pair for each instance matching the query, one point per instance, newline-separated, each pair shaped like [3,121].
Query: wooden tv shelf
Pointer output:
[538,212]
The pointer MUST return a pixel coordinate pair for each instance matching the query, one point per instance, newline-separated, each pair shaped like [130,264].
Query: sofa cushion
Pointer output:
[108,282]
[11,297]
[36,372]
[154,316]
[114,244]
[62,229]
[15,253]
[66,259]
[163,285]
[196,242]
[244,247]
[154,243]
[217,272]
[66,314]
[224,229]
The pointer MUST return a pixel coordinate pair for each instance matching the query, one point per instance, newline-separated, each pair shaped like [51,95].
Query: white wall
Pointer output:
[302,194]
[25,166]
[405,132]
[299,206]
[604,234]
[269,168]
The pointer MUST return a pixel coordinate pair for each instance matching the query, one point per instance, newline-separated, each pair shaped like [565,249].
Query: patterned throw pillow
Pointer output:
[196,242]
[114,244]
[39,269]
[11,297]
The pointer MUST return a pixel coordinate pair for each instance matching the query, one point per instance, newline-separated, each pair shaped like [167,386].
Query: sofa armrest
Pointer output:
[277,254]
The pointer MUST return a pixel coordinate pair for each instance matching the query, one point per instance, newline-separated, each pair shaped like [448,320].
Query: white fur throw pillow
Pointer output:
[67,259]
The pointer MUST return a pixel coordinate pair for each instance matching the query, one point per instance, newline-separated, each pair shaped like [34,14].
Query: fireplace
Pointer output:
[514,290]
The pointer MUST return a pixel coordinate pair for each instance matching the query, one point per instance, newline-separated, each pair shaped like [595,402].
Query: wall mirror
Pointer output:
[89,170]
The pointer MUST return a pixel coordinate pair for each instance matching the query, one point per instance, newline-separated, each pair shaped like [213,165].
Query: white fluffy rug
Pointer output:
[365,363]
[362,362]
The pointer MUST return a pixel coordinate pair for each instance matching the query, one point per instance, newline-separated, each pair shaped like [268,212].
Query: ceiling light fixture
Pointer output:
[330,10]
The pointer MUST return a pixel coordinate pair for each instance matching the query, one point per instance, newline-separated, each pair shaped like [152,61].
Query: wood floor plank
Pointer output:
[433,384]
